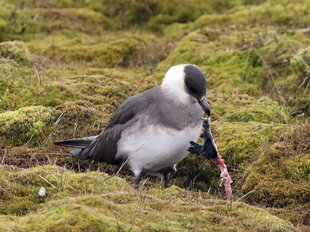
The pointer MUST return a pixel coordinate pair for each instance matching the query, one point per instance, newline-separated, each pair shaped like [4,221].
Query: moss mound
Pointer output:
[285,163]
[93,203]
[73,119]
[25,125]
[280,176]
[15,50]
[244,108]
[268,13]
[109,52]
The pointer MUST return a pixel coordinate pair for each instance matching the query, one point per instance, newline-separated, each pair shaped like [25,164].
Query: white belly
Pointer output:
[153,148]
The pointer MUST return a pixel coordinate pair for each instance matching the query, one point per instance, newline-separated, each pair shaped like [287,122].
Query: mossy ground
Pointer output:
[65,66]
[90,201]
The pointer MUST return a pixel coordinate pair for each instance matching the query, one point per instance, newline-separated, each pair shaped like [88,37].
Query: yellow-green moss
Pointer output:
[4,16]
[73,119]
[24,85]
[281,12]
[15,50]
[301,63]
[85,201]
[280,175]
[20,188]
[217,53]
[105,51]
[21,86]
[236,140]
[25,125]
[244,108]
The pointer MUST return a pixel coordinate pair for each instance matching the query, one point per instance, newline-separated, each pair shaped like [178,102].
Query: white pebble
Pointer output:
[42,192]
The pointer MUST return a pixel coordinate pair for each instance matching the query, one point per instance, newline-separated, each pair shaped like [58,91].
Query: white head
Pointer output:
[186,84]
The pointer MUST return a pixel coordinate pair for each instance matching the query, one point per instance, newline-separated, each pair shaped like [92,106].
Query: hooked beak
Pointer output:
[205,106]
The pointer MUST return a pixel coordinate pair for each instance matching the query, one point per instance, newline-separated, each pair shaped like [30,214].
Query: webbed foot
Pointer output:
[195,148]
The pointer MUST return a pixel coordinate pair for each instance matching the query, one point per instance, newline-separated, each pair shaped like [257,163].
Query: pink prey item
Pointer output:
[224,175]
[224,172]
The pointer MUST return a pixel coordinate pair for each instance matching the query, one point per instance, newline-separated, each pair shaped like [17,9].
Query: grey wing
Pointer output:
[104,147]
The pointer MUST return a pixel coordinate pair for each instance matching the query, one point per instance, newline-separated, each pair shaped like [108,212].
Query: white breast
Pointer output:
[154,148]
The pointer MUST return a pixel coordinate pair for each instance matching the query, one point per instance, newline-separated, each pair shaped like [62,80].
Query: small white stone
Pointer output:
[42,192]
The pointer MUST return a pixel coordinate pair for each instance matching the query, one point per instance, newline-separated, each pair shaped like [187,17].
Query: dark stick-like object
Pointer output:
[210,151]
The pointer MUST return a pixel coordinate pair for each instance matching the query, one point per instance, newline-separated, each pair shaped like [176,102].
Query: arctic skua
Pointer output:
[152,131]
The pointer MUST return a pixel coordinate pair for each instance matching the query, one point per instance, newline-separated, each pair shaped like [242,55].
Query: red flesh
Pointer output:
[225,175]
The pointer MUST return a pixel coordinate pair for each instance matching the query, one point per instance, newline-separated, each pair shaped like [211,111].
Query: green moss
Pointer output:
[252,60]
[15,50]
[301,62]
[271,12]
[19,189]
[217,53]
[4,17]
[73,119]
[109,51]
[23,85]
[236,140]
[158,14]
[2,24]
[244,108]
[82,201]
[25,125]
[280,174]
[35,22]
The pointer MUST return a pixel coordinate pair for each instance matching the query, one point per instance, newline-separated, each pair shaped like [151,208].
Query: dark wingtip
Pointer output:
[62,143]
[80,143]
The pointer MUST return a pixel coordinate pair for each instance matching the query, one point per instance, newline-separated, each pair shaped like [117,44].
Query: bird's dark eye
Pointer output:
[190,88]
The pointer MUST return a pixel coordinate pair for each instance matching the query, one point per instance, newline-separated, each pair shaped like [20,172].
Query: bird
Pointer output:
[151,132]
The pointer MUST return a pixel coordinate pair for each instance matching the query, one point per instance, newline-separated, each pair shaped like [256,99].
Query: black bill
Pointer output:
[205,106]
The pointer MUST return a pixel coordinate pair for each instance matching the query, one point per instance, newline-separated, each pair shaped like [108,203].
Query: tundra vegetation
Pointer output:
[65,66]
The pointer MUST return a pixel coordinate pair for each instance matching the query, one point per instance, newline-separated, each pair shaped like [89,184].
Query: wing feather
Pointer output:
[104,147]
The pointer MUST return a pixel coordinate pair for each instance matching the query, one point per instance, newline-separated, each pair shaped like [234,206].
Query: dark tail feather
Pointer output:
[80,143]
[77,152]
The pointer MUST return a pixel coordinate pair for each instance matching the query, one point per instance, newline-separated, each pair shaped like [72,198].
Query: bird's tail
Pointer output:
[80,144]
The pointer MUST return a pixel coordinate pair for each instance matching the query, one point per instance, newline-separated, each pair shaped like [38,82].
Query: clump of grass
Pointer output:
[25,125]
[15,50]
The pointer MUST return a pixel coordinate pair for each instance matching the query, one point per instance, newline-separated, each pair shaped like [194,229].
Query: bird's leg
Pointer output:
[166,173]
[138,179]
[167,179]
